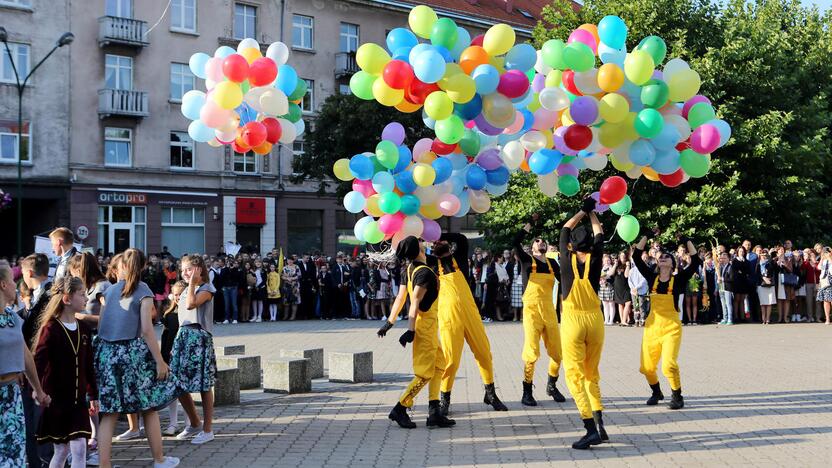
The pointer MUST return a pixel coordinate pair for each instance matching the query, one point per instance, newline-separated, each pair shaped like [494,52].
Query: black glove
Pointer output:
[407,337]
[683,240]
[589,205]
[382,332]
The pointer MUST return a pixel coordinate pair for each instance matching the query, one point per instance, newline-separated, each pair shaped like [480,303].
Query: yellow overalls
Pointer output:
[459,319]
[428,360]
[662,338]
[540,321]
[582,335]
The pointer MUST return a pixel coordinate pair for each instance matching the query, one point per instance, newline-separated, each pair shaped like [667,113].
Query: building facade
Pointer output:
[113,149]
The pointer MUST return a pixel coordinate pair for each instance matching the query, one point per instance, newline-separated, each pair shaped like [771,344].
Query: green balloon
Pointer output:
[387,153]
[390,203]
[568,185]
[578,57]
[372,234]
[450,130]
[649,123]
[627,228]
[444,33]
[700,113]
[553,54]
[623,206]
[530,73]
[567,159]
[361,85]
[294,113]
[377,166]
[245,86]
[654,93]
[300,90]
[694,164]
[655,46]
[470,143]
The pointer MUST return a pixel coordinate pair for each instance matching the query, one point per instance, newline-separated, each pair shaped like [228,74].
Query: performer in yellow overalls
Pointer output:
[423,327]
[663,330]
[582,327]
[539,317]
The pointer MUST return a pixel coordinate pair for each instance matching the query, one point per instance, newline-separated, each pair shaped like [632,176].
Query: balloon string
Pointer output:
[165,12]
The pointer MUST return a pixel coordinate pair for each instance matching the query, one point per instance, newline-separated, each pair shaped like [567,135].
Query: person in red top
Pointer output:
[811,272]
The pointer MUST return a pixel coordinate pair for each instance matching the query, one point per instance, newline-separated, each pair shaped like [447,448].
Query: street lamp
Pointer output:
[65,39]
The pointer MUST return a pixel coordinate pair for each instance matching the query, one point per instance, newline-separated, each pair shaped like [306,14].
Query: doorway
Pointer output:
[248,236]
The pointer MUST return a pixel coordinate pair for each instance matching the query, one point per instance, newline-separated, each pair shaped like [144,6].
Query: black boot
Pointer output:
[656,396]
[444,403]
[528,398]
[676,400]
[599,423]
[552,390]
[590,438]
[400,416]
[491,398]
[435,417]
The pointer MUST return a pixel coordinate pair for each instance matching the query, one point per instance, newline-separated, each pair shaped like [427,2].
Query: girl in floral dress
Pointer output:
[290,289]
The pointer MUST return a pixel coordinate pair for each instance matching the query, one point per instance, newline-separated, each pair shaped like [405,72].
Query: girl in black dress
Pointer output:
[170,324]
[621,289]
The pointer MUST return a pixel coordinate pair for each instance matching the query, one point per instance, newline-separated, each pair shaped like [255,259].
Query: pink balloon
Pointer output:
[390,224]
[544,118]
[584,36]
[421,146]
[567,169]
[705,139]
[538,83]
[365,187]
[431,230]
[397,237]
[516,126]
[213,69]
[448,204]
[213,115]
[692,102]
[513,84]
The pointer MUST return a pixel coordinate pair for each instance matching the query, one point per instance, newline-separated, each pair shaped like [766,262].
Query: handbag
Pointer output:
[790,279]
[824,278]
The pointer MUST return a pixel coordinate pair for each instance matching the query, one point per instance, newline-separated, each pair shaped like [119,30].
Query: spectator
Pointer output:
[639,290]
[327,288]
[606,292]
[290,289]
[825,282]
[810,270]
[258,294]
[273,291]
[62,245]
[308,286]
[621,288]
[766,271]
[725,280]
[513,267]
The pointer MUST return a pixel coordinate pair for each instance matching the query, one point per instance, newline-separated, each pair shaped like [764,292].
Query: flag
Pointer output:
[279,270]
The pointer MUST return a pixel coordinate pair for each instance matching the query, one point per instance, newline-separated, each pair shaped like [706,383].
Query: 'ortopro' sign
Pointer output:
[122,198]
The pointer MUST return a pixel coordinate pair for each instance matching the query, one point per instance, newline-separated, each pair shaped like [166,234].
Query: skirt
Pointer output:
[606,293]
[825,294]
[290,294]
[193,360]
[61,423]
[517,294]
[767,295]
[12,427]
[126,375]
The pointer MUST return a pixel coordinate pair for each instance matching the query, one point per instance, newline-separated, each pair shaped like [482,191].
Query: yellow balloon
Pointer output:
[612,135]
[535,104]
[438,105]
[550,138]
[341,168]
[683,85]
[553,79]
[251,54]
[621,166]
[629,127]
[227,95]
[498,39]
[421,20]
[461,88]
[430,211]
[638,67]
[650,174]
[423,175]
[407,107]
[426,158]
[613,108]
[385,95]
[499,63]
[566,117]
[371,58]
[372,207]
[610,77]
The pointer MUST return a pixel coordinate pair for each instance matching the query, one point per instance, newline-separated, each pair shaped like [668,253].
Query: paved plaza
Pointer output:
[755,396]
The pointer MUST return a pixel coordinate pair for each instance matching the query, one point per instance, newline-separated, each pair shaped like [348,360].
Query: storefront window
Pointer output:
[183,230]
[121,227]
[305,230]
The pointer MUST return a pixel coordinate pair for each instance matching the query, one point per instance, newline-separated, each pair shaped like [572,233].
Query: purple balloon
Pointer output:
[489,159]
[431,230]
[538,83]
[567,169]
[658,75]
[599,207]
[584,110]
[486,127]
[394,132]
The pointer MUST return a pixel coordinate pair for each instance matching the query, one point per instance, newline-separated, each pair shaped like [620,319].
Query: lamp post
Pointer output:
[65,39]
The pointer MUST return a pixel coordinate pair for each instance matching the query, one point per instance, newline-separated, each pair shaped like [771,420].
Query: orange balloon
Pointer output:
[592,29]
[407,107]
[397,191]
[610,77]
[472,57]
[650,174]
[525,166]
[241,143]
[263,148]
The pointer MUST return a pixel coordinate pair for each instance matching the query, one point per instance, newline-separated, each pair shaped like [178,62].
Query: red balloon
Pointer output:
[568,79]
[273,129]
[398,74]
[418,91]
[513,84]
[612,190]
[235,68]
[238,148]
[577,137]
[253,134]
[477,40]
[442,148]
[683,145]
[672,180]
[262,72]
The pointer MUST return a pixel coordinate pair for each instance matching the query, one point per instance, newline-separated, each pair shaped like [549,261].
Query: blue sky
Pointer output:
[823,4]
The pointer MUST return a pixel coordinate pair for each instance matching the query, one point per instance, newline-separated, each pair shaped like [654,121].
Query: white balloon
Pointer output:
[288,131]
[540,66]
[412,226]
[674,66]
[273,102]
[480,201]
[533,141]
[596,163]
[300,127]
[548,184]
[680,124]
[594,145]
[278,52]
[622,153]
[587,82]
[554,99]
[246,44]
[513,154]
[427,195]
[634,172]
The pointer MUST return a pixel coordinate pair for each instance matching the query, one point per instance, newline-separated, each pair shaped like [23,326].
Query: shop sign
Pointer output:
[251,211]
[122,198]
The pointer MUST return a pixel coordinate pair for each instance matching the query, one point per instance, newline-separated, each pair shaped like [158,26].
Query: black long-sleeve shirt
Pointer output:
[595,264]
[680,281]
[460,255]
[526,260]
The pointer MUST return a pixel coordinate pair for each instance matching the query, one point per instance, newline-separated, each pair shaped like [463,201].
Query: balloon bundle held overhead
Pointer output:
[251,102]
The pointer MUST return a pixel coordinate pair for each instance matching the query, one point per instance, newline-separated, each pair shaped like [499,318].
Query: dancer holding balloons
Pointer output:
[539,317]
[582,324]
[663,330]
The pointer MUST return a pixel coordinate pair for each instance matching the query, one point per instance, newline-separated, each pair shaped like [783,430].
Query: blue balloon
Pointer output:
[354,202]
[496,190]
[528,121]
[463,40]
[429,65]
[416,50]
[497,176]
[486,78]
[471,109]
[200,132]
[427,120]
[405,183]
[523,101]
[521,57]
[458,182]
[666,162]
[666,139]
[410,205]
[544,161]
[444,168]
[609,54]
[642,153]
[402,53]
[723,128]
[458,160]
[445,53]
[224,51]
[197,64]
[612,31]
[192,103]
[361,167]
[287,79]
[505,138]
[464,204]
[401,37]
[383,182]
[475,177]
[405,157]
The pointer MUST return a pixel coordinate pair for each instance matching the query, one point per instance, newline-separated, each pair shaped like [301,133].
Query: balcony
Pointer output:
[122,102]
[345,65]
[122,31]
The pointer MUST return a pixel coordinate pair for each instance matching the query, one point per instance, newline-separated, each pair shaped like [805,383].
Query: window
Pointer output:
[349,37]
[119,8]
[118,72]
[305,230]
[245,20]
[118,144]
[298,148]
[21,3]
[181,151]
[344,89]
[183,15]
[303,32]
[308,103]
[525,13]
[121,227]
[181,81]
[20,52]
[183,230]
[8,141]
[344,231]
[245,163]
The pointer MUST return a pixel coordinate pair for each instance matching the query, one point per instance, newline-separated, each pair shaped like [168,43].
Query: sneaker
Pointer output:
[486,320]
[129,435]
[189,432]
[729,323]
[169,431]
[234,321]
[225,322]
[169,462]
[202,438]
[93,460]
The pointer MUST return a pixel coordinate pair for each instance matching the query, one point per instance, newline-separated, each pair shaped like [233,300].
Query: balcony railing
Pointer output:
[123,102]
[124,31]
[345,64]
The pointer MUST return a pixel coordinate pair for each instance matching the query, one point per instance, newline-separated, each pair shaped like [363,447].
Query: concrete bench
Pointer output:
[227,388]
[286,375]
[351,367]
[315,356]
[249,367]
[233,350]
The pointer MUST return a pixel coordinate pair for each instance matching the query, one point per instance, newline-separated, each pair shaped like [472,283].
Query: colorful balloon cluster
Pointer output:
[251,102]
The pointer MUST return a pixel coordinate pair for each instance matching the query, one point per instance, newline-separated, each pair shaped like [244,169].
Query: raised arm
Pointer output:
[642,267]
[517,243]
[687,273]
[597,228]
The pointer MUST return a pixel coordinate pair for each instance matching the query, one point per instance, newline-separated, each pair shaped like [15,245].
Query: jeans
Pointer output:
[726,298]
[32,414]
[229,295]
[356,306]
